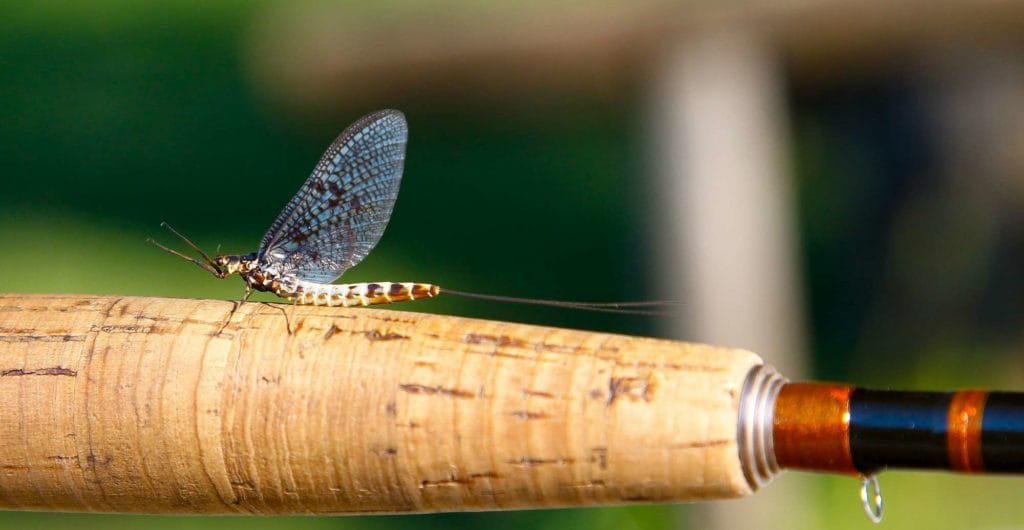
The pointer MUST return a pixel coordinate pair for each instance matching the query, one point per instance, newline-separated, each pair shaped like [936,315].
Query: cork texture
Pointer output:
[154,405]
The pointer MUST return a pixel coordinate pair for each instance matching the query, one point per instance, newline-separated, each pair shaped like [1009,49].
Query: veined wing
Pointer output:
[340,212]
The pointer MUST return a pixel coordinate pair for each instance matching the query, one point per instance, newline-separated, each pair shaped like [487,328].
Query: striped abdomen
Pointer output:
[357,294]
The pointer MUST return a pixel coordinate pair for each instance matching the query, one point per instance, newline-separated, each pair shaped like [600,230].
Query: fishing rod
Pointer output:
[159,405]
[152,405]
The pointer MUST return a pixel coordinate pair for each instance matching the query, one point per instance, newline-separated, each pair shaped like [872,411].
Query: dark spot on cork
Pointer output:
[456,480]
[374,289]
[125,328]
[396,289]
[529,461]
[670,366]
[557,348]
[632,388]
[42,338]
[528,415]
[599,456]
[331,331]
[639,498]
[435,483]
[22,331]
[391,318]
[391,409]
[501,340]
[702,445]
[435,390]
[56,370]
[452,479]
[95,460]
[377,335]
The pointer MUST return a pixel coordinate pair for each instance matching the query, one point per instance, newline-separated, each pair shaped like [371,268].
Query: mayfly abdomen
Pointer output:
[358,294]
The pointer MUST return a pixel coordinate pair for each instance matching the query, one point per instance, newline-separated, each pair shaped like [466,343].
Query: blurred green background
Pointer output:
[530,181]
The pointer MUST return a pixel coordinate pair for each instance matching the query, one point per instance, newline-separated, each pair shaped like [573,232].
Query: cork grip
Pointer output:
[146,405]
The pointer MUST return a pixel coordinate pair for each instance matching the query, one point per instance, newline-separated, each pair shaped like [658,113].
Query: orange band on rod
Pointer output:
[964,439]
[811,427]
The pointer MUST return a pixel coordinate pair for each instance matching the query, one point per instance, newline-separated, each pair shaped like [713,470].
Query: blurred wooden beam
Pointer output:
[322,56]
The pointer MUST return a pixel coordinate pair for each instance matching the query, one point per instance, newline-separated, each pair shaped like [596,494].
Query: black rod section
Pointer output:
[1002,433]
[898,429]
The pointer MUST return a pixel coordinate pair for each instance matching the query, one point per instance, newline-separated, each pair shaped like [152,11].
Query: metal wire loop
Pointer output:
[871,501]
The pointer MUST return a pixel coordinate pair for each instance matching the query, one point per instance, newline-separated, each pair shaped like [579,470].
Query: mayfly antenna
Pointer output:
[208,264]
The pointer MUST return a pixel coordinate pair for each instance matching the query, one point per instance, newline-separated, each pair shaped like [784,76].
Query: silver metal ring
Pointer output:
[754,426]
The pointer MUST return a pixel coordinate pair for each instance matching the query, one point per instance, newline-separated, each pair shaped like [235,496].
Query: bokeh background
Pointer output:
[838,185]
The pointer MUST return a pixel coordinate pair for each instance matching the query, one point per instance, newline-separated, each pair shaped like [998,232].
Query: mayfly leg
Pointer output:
[235,307]
[288,314]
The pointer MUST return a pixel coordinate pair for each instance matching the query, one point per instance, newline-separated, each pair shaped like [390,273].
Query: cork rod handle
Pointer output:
[146,405]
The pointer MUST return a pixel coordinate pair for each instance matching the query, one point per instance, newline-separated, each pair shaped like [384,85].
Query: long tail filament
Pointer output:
[650,308]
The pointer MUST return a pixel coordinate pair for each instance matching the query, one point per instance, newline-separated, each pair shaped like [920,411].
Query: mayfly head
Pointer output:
[221,266]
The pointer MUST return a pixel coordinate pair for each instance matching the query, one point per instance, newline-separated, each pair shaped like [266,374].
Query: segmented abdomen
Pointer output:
[356,294]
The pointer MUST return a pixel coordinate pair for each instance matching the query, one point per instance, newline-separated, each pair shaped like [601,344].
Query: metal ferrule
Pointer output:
[755,425]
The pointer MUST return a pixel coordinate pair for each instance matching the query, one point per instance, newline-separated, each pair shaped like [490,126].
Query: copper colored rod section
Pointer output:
[965,414]
[154,405]
[811,427]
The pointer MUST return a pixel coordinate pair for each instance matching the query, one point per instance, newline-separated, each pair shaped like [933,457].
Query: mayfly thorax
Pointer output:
[335,220]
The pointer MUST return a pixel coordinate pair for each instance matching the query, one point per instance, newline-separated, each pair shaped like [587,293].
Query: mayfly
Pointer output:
[335,220]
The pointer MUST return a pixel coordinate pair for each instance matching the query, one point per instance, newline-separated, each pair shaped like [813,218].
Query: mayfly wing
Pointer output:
[340,212]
